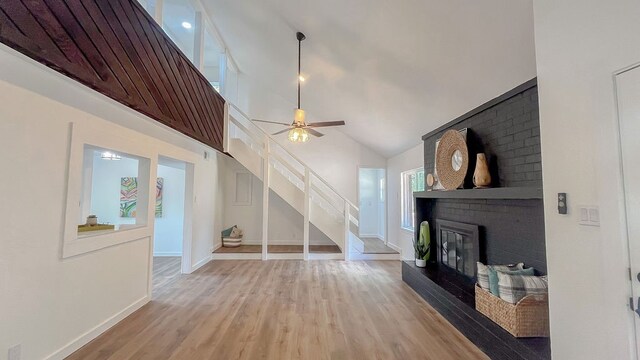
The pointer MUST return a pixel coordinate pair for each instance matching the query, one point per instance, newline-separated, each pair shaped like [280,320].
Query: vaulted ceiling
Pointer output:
[393,70]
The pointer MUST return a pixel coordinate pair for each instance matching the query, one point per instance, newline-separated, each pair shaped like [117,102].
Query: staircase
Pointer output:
[292,180]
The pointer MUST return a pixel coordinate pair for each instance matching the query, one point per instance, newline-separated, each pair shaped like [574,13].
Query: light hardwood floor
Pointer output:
[376,246]
[165,270]
[285,310]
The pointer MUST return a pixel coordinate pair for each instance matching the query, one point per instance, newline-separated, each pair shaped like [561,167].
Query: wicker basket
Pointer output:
[528,318]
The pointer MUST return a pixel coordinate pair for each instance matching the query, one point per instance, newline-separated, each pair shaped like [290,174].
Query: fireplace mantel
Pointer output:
[503,193]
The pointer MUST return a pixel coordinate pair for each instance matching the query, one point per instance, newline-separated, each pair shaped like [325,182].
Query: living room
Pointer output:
[535,99]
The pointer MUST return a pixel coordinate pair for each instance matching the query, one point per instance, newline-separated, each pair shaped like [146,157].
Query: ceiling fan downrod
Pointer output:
[300,36]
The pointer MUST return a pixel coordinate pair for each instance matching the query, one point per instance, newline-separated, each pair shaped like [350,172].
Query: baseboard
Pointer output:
[216,246]
[272,242]
[84,339]
[236,256]
[162,254]
[395,247]
[200,263]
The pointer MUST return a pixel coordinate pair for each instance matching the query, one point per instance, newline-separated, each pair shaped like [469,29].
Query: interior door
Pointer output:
[628,90]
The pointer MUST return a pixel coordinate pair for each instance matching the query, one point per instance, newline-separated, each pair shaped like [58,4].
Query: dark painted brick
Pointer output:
[509,133]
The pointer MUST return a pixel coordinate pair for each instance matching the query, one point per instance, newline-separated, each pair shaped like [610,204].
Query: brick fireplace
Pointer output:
[500,225]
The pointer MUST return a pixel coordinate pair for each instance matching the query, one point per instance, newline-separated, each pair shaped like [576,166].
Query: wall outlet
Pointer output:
[15,352]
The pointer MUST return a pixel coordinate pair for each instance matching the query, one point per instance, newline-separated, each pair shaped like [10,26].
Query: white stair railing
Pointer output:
[319,194]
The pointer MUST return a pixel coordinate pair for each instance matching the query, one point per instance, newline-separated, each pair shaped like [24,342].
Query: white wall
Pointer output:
[286,225]
[168,230]
[372,207]
[105,193]
[579,45]
[398,237]
[246,217]
[48,305]
[335,157]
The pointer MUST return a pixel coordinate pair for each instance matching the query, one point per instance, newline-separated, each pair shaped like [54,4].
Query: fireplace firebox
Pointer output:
[458,246]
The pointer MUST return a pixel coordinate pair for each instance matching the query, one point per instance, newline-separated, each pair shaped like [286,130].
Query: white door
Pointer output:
[628,90]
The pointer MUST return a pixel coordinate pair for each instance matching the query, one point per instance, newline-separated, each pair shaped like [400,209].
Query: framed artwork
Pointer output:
[129,197]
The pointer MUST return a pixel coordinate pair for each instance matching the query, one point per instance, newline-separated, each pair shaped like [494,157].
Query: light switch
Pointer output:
[594,215]
[589,216]
[562,203]
[584,214]
[15,352]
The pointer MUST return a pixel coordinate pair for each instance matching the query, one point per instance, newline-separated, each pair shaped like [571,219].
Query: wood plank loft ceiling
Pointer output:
[117,49]
[393,70]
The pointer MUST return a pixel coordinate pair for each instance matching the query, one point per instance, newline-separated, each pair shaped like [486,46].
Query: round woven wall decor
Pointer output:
[451,141]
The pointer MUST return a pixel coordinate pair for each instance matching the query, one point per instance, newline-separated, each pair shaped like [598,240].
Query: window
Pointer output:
[213,55]
[179,23]
[411,181]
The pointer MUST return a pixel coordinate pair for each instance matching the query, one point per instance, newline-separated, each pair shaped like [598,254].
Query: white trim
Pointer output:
[394,247]
[622,207]
[166,254]
[273,242]
[408,230]
[200,263]
[306,213]
[216,246]
[236,256]
[96,331]
[265,196]
[187,217]
[82,136]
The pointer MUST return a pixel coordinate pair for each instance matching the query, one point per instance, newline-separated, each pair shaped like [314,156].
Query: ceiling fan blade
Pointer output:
[326,123]
[314,132]
[281,131]
[270,122]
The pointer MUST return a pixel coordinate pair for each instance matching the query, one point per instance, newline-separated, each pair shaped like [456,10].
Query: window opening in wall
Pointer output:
[411,181]
[110,189]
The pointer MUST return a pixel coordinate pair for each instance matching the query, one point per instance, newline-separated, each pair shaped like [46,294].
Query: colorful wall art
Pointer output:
[129,196]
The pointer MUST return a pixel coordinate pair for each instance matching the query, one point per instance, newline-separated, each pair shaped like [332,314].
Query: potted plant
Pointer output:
[422,245]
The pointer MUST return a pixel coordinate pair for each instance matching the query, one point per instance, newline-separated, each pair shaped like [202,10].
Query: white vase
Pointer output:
[421,263]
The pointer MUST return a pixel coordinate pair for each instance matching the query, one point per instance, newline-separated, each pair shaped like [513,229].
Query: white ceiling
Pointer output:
[393,70]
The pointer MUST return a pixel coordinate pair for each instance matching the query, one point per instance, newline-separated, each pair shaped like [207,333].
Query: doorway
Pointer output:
[372,199]
[169,226]
[628,96]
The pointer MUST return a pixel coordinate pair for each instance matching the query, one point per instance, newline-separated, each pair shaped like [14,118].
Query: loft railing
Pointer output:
[315,189]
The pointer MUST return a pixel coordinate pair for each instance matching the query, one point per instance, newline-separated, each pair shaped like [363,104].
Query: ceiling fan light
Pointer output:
[298,116]
[298,135]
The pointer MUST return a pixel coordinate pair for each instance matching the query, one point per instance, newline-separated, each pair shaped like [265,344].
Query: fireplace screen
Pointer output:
[458,246]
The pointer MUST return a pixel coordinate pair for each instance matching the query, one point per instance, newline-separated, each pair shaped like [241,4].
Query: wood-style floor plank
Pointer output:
[285,309]
[165,270]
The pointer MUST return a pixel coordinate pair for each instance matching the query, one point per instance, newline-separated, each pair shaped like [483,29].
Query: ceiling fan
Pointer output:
[299,130]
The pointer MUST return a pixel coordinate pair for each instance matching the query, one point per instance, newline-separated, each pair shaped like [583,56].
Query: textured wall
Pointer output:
[509,133]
